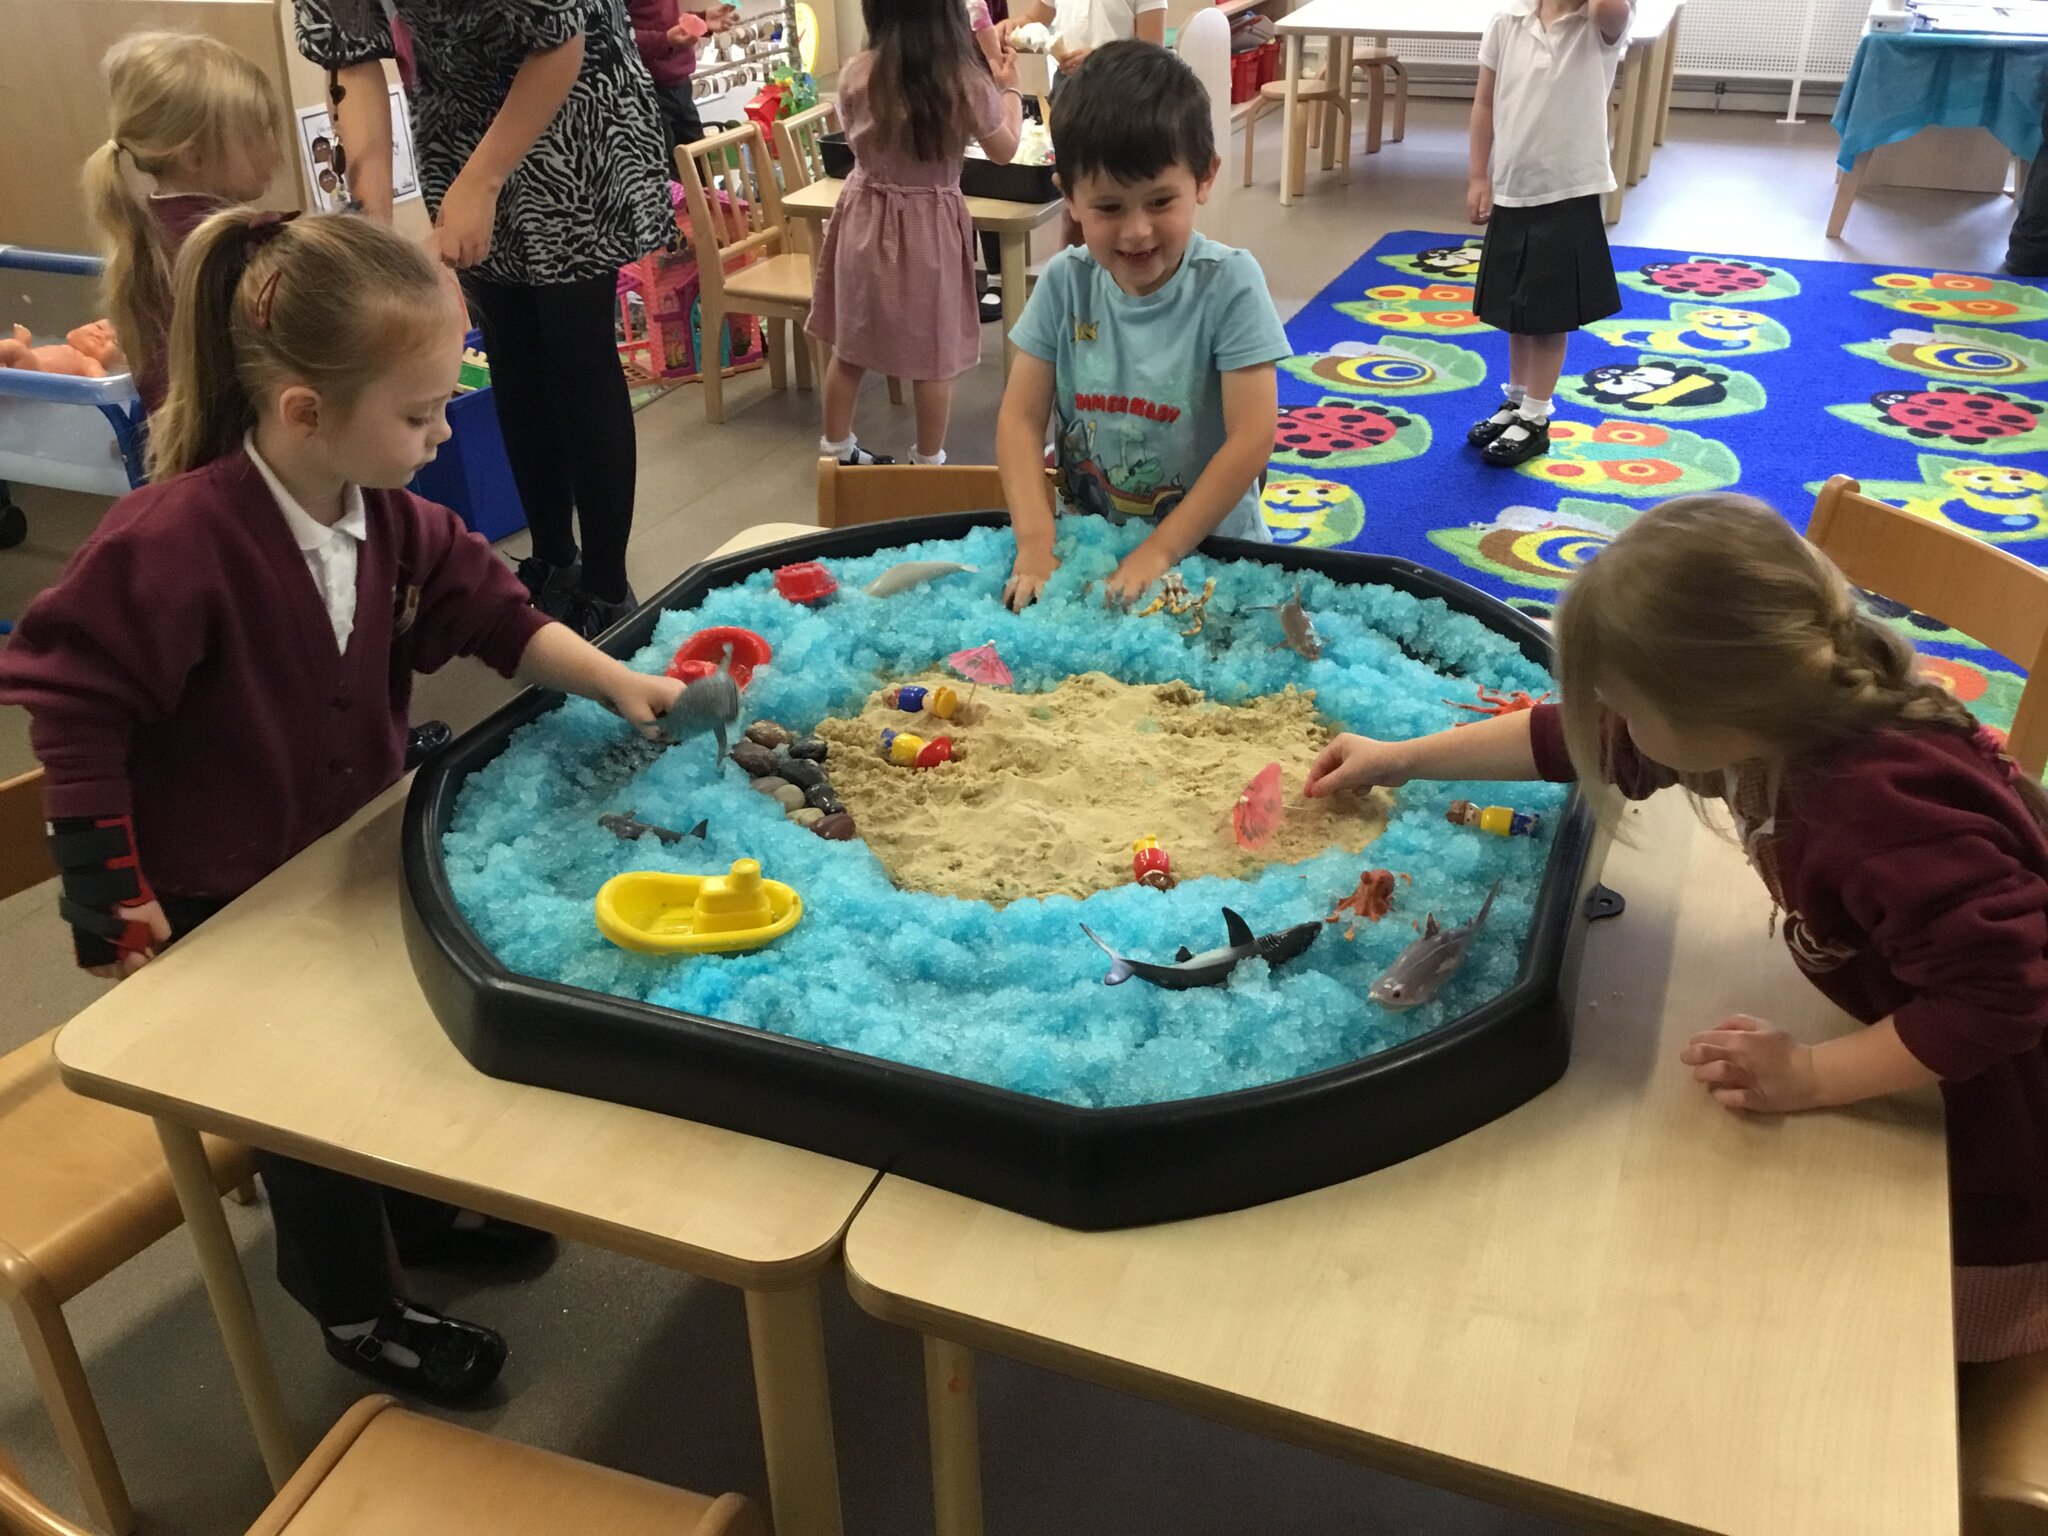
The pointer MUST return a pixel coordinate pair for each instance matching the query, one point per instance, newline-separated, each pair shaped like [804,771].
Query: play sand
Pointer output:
[1056,786]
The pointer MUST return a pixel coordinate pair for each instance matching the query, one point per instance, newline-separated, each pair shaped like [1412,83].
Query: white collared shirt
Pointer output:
[330,552]
[1550,91]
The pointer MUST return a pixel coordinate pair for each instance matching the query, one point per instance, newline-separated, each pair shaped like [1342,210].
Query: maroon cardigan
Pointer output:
[176,215]
[670,63]
[183,670]
[1914,883]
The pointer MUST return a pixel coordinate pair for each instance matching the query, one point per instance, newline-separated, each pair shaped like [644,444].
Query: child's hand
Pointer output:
[1027,581]
[462,233]
[1127,583]
[1003,69]
[1356,764]
[724,19]
[640,699]
[689,27]
[1479,199]
[151,915]
[1746,1064]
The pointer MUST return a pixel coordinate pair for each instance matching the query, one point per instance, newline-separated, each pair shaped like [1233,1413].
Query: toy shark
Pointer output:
[1297,626]
[1420,971]
[631,828]
[1213,966]
[709,704]
[912,573]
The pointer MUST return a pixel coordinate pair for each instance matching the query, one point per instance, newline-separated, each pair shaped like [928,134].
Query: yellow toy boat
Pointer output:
[665,914]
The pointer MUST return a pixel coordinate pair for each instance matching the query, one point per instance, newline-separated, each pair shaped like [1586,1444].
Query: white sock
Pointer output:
[1514,392]
[1536,407]
[937,458]
[848,451]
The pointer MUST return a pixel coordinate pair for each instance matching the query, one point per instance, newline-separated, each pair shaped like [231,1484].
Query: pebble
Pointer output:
[789,797]
[809,816]
[767,733]
[821,796]
[836,827]
[811,748]
[758,761]
[769,784]
[808,775]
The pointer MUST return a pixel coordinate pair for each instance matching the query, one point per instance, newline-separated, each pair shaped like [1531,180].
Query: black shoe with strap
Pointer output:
[1486,431]
[415,1349]
[1520,441]
[425,740]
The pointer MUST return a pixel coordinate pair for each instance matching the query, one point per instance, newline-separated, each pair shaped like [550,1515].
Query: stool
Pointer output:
[1273,95]
[2004,1441]
[1379,66]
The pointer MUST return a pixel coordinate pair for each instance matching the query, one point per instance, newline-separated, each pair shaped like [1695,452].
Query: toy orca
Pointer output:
[1420,971]
[1213,966]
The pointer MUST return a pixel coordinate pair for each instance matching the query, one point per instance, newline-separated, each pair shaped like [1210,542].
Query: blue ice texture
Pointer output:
[1014,996]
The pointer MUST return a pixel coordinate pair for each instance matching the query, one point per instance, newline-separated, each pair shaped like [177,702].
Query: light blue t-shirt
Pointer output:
[1138,382]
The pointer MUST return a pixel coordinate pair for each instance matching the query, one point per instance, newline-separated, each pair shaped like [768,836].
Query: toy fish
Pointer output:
[631,828]
[913,573]
[709,704]
[1212,967]
[1297,626]
[1420,971]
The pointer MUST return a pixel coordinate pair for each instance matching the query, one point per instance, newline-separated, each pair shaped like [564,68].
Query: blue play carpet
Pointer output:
[1719,372]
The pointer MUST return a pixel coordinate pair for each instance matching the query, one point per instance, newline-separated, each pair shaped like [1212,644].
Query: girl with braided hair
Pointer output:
[1713,648]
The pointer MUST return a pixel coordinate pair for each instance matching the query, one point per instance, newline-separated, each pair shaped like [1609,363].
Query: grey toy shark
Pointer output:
[1213,966]
[1420,971]
[1297,627]
[708,704]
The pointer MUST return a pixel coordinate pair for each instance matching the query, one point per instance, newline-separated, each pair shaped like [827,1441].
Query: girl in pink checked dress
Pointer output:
[895,287]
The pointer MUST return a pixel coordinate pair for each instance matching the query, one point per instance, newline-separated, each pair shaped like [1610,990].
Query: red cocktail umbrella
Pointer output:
[1257,814]
[980,664]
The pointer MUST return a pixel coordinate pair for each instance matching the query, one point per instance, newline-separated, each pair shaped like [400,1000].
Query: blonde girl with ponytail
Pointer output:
[195,128]
[223,674]
[1711,647]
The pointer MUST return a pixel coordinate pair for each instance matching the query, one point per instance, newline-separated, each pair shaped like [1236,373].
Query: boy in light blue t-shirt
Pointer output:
[1151,347]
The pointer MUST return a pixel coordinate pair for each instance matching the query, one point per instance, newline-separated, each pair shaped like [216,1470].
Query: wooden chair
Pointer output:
[746,261]
[1272,97]
[2003,1410]
[849,494]
[1999,601]
[83,1189]
[384,1471]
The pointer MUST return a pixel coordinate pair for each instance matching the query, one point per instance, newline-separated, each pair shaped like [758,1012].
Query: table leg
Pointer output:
[1291,147]
[1336,59]
[1624,133]
[1845,194]
[228,1289]
[1014,250]
[951,1411]
[1646,116]
[796,1410]
[1669,73]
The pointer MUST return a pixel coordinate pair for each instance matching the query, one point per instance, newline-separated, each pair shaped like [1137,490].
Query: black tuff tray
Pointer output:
[978,177]
[1085,1168]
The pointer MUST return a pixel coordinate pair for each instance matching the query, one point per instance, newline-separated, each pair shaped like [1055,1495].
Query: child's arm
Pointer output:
[559,658]
[1612,18]
[1152,25]
[1487,749]
[1748,1065]
[1020,456]
[1479,183]
[1251,407]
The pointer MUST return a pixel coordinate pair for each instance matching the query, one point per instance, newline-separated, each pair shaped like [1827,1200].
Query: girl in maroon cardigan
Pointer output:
[222,674]
[1712,647]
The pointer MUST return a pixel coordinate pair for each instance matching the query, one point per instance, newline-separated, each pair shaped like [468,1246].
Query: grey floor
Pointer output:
[646,1370]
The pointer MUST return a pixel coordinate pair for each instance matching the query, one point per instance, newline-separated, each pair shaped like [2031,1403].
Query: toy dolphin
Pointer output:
[631,828]
[1295,624]
[912,573]
[1213,966]
[1420,971]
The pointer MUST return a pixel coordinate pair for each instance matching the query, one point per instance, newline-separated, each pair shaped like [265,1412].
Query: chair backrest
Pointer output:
[876,493]
[734,202]
[22,1513]
[24,854]
[796,144]
[1997,600]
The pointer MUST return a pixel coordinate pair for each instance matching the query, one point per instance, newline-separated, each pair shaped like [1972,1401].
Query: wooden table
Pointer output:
[1619,1304]
[1010,223]
[1642,83]
[292,1022]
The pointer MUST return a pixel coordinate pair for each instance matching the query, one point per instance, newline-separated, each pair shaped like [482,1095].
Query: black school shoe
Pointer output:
[1486,431]
[425,740]
[1520,441]
[491,1245]
[550,587]
[415,1349]
[590,616]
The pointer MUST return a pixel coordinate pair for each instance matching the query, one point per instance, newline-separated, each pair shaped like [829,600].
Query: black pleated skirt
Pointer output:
[1546,269]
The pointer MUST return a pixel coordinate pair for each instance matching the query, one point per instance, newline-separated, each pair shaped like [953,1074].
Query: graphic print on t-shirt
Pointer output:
[1107,465]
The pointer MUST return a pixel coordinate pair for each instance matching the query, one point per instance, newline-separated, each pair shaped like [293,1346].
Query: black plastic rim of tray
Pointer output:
[1083,1168]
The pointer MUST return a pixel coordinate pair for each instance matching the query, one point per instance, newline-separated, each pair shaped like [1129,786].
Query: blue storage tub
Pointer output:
[471,474]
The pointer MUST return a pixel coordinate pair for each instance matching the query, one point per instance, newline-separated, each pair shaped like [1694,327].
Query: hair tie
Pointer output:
[1992,745]
[261,230]
[117,147]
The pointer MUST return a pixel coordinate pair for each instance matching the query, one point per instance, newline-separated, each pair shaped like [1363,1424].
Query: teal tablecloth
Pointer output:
[1902,82]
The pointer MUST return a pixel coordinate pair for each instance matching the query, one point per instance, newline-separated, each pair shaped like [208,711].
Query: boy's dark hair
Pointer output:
[1130,112]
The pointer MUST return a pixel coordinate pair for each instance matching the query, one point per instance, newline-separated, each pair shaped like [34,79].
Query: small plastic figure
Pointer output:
[908,751]
[630,828]
[1492,703]
[805,582]
[910,573]
[709,704]
[1297,629]
[908,697]
[1175,598]
[1373,900]
[912,697]
[1420,971]
[1259,809]
[1497,819]
[1150,865]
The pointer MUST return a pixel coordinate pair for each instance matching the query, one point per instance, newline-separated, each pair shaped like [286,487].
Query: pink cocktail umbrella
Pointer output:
[1258,812]
[980,664]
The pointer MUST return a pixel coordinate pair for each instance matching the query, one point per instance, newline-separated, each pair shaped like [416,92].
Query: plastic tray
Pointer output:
[978,177]
[1088,1168]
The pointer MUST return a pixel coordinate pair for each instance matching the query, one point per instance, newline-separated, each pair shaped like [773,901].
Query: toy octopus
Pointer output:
[1373,900]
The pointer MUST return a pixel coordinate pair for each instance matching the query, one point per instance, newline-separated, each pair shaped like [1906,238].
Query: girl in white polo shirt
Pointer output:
[1539,170]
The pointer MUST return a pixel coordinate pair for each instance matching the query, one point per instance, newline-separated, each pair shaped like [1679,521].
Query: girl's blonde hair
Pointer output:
[1716,611]
[170,94]
[332,301]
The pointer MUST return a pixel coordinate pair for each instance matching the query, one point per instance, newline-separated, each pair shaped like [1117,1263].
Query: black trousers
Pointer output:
[2027,253]
[567,418]
[332,1254]
[681,122]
